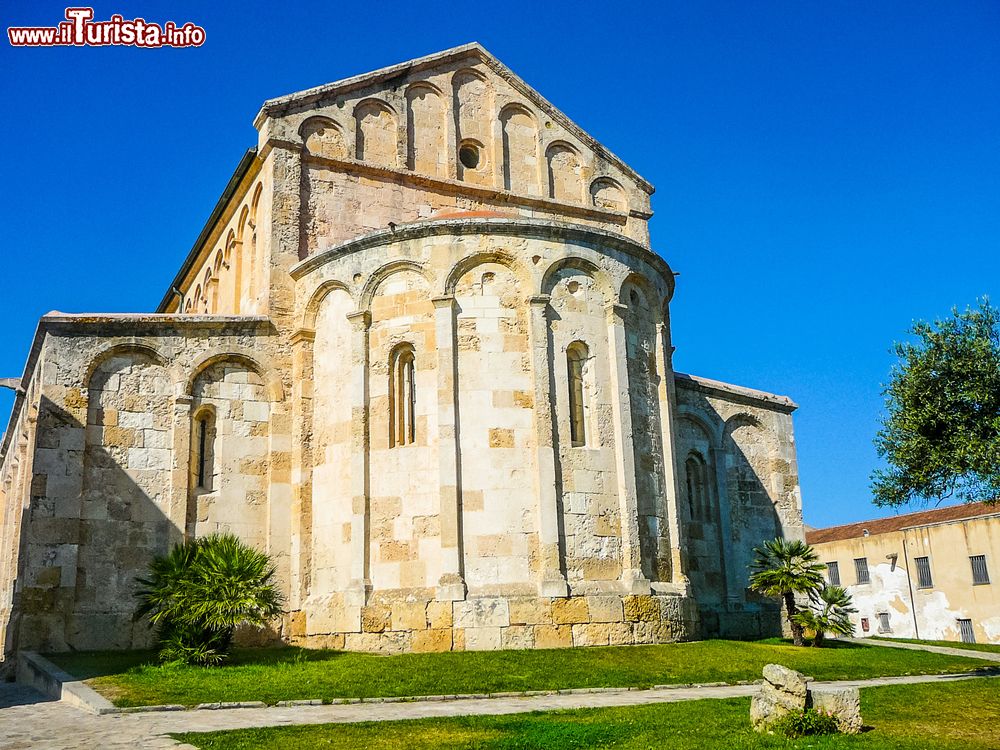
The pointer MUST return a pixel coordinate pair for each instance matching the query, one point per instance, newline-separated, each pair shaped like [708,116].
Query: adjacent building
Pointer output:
[421,355]
[933,575]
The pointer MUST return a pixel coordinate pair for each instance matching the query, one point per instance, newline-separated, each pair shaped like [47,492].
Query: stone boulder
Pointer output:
[844,704]
[783,691]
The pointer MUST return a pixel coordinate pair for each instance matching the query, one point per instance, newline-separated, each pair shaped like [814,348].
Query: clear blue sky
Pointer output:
[826,172]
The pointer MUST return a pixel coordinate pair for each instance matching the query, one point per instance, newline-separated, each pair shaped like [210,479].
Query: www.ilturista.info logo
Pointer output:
[80,30]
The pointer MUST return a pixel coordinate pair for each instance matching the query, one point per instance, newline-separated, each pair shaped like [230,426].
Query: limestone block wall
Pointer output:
[739,482]
[115,402]
[449,494]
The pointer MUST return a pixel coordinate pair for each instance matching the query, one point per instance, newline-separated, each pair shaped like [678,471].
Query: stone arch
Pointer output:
[565,172]
[384,272]
[125,490]
[472,109]
[275,389]
[321,136]
[608,193]
[119,350]
[637,289]
[469,262]
[520,149]
[376,133]
[234,390]
[749,453]
[712,435]
[600,277]
[311,311]
[254,204]
[220,259]
[426,130]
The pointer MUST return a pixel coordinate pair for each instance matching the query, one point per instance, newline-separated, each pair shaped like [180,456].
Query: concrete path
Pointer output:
[967,652]
[27,720]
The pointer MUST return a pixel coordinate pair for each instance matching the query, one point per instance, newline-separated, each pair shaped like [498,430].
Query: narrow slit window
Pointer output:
[924,579]
[402,396]
[203,452]
[576,360]
[833,573]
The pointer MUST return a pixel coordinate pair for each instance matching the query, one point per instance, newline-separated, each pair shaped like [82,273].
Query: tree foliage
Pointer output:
[941,433]
[830,612]
[783,568]
[198,594]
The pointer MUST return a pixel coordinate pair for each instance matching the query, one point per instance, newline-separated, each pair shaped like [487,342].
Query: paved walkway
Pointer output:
[968,652]
[27,720]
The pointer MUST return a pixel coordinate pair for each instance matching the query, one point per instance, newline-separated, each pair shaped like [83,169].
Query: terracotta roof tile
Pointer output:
[895,523]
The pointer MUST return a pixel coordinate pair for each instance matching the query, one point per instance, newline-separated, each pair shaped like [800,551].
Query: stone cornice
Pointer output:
[453,187]
[746,395]
[521,227]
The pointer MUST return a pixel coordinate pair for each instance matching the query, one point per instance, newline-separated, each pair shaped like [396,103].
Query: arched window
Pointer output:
[203,452]
[402,396]
[697,487]
[576,363]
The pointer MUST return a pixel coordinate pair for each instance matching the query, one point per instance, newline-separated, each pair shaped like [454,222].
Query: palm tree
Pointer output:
[830,613]
[783,569]
[198,594]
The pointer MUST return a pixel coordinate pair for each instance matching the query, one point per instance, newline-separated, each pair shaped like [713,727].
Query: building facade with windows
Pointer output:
[421,355]
[930,575]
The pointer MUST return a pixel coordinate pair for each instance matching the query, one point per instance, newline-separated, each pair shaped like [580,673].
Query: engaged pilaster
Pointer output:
[632,577]
[360,586]
[553,582]
[451,585]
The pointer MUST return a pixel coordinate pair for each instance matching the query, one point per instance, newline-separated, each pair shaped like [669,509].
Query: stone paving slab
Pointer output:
[29,720]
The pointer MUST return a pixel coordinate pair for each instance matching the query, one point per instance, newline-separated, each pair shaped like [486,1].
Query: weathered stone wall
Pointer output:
[739,478]
[110,483]
[454,424]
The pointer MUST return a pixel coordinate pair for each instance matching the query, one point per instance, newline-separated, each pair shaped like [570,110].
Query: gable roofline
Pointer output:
[917,519]
[283,104]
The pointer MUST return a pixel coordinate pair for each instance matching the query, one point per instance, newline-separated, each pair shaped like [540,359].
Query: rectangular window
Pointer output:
[924,580]
[883,622]
[980,574]
[833,573]
[968,634]
[861,569]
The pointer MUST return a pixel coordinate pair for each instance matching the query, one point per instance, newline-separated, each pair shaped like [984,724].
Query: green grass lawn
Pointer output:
[963,715]
[271,675]
[989,647]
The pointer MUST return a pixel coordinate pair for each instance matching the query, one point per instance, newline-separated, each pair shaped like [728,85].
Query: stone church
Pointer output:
[420,353]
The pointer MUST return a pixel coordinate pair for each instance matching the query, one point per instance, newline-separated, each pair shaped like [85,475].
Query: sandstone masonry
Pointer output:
[421,355]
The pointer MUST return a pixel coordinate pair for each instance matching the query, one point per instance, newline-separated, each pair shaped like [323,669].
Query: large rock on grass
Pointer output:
[782,692]
[844,704]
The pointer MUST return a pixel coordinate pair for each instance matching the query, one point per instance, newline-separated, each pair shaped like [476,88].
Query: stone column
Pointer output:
[632,578]
[301,466]
[668,435]
[552,582]
[451,586]
[734,587]
[360,586]
[183,510]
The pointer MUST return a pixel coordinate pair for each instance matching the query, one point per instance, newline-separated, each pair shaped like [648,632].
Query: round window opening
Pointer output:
[468,154]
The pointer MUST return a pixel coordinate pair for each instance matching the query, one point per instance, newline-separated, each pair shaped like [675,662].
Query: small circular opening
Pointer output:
[468,154]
